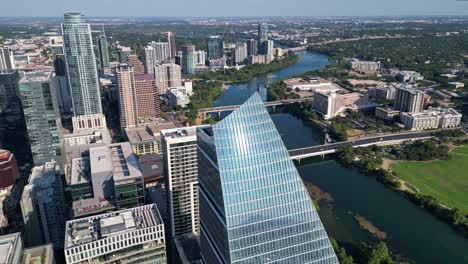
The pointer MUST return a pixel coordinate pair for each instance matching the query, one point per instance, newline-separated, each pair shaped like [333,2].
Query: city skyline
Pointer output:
[178,8]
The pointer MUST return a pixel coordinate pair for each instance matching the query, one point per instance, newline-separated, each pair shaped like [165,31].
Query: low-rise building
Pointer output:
[134,235]
[456,85]
[330,104]
[386,113]
[110,178]
[43,254]
[407,76]
[11,248]
[433,118]
[311,84]
[178,96]
[365,66]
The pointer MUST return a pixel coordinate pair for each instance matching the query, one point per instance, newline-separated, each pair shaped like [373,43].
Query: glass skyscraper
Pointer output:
[188,59]
[215,47]
[42,115]
[103,52]
[81,65]
[254,207]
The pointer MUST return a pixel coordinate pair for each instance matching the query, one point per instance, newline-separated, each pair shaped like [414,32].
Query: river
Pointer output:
[409,231]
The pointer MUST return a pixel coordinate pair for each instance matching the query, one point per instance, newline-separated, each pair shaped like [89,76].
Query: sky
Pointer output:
[219,8]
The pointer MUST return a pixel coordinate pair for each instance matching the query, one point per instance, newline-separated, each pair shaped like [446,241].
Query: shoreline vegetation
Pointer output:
[370,162]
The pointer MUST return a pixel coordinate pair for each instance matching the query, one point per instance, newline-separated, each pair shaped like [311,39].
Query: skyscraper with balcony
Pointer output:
[156,53]
[408,99]
[188,59]
[81,65]
[41,112]
[254,207]
[252,47]
[7,61]
[179,146]
[215,47]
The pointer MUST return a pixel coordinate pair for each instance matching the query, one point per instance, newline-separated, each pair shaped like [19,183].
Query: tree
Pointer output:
[346,154]
[379,255]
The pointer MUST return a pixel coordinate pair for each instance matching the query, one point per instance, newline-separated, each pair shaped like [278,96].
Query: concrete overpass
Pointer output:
[384,139]
[231,108]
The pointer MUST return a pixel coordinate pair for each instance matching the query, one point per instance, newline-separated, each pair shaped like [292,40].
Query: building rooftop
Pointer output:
[9,245]
[41,180]
[180,132]
[149,132]
[86,230]
[39,255]
[37,76]
[144,77]
[188,248]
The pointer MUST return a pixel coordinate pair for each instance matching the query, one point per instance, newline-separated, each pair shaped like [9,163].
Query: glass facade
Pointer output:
[42,116]
[81,65]
[254,207]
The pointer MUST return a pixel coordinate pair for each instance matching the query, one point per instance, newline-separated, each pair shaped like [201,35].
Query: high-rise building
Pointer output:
[267,48]
[8,169]
[134,235]
[179,148]
[103,50]
[62,88]
[172,45]
[127,99]
[138,97]
[167,75]
[252,47]
[7,61]
[81,65]
[9,91]
[262,36]
[200,56]
[147,98]
[254,207]
[188,59]
[43,206]
[42,117]
[240,53]
[123,52]
[136,64]
[215,47]
[156,53]
[408,99]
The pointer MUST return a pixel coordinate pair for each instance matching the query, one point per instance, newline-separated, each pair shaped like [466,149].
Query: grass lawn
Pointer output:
[447,180]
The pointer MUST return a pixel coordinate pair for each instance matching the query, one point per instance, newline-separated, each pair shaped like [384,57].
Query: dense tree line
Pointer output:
[422,150]
[249,72]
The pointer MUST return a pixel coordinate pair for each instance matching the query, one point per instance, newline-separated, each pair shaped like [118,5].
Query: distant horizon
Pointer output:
[240,8]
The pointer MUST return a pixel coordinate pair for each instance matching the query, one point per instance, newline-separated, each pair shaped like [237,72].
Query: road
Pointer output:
[378,139]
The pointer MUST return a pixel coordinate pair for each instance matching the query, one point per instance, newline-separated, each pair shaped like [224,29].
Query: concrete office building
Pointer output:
[240,53]
[179,146]
[103,50]
[147,139]
[86,122]
[408,99]
[386,113]
[42,116]
[110,178]
[136,64]
[188,59]
[215,47]
[167,75]
[156,53]
[43,206]
[62,88]
[433,118]
[172,45]
[365,66]
[385,92]
[252,47]
[254,207]
[408,76]
[127,98]
[134,235]
[7,61]
[81,65]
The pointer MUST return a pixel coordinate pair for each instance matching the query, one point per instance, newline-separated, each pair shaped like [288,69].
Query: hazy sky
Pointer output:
[234,7]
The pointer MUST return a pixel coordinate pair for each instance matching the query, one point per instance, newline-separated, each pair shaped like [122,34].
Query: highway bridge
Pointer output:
[231,108]
[384,139]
